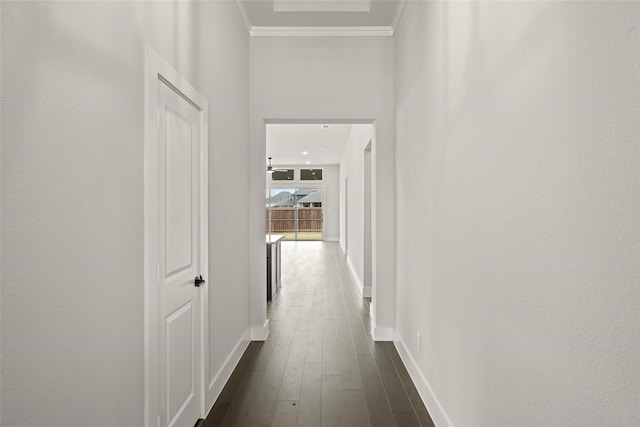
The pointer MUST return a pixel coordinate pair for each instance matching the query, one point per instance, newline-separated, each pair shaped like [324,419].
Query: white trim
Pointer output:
[438,415]
[380,31]
[322,6]
[379,333]
[244,14]
[372,314]
[260,333]
[223,375]
[357,283]
[366,291]
[399,13]
[205,360]
[361,289]
[328,119]
[157,69]
[151,408]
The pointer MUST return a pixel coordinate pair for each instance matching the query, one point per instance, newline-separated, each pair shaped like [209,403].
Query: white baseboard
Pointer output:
[260,333]
[331,239]
[223,375]
[379,333]
[430,400]
[355,280]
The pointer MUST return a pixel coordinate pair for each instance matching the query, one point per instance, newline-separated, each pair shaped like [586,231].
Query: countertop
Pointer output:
[273,238]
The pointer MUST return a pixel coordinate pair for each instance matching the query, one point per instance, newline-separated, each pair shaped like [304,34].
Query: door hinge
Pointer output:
[158,115]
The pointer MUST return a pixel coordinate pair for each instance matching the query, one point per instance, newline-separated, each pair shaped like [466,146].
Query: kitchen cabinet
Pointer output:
[274,265]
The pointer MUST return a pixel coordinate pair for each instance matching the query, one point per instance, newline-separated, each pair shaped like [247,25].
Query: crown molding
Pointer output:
[321,6]
[398,16]
[382,31]
[244,14]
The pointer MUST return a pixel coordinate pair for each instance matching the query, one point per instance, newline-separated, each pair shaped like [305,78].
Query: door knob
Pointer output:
[199,281]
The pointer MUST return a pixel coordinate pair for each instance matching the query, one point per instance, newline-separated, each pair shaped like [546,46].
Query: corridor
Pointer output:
[319,366]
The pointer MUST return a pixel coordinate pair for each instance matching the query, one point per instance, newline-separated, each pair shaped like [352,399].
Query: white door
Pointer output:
[179,258]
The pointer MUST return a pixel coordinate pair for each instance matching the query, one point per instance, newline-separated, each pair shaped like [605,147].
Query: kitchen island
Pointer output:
[274,253]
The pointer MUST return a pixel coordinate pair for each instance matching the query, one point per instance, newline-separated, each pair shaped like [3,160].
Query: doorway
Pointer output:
[303,179]
[176,246]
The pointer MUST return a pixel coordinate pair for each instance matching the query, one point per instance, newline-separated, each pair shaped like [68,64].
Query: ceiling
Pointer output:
[265,15]
[287,143]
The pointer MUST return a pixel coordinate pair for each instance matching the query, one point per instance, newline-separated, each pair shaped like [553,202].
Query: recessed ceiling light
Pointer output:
[304,153]
[308,162]
[326,126]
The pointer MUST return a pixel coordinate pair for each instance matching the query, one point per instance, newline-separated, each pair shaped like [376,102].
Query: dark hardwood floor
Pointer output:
[319,366]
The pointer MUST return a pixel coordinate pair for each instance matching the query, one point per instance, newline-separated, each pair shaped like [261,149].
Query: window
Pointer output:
[310,174]
[282,175]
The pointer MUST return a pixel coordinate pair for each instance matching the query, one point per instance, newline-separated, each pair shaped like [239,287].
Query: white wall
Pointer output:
[224,78]
[331,175]
[352,172]
[518,199]
[72,198]
[323,79]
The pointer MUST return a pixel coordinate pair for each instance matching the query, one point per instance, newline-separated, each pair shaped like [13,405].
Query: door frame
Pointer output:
[367,222]
[345,249]
[159,71]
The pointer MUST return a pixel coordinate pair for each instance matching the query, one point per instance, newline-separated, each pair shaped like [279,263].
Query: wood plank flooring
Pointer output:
[319,366]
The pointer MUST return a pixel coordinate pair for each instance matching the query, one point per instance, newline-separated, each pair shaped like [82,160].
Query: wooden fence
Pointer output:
[284,219]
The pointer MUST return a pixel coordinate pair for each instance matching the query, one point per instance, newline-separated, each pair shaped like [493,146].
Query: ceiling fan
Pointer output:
[271,169]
